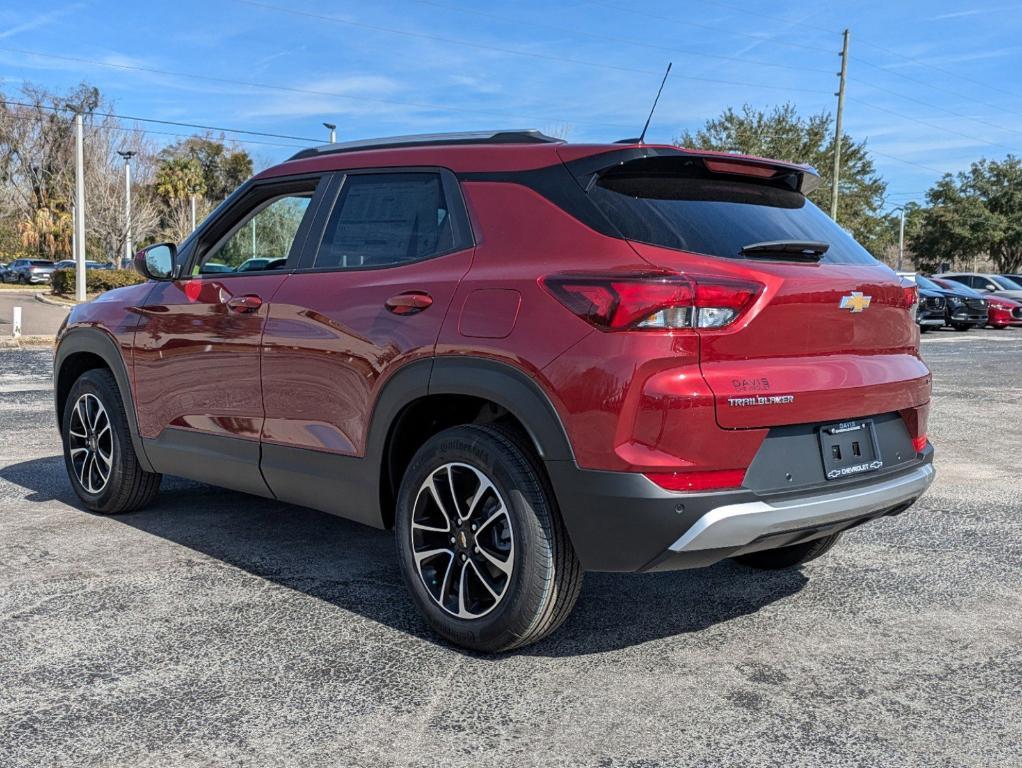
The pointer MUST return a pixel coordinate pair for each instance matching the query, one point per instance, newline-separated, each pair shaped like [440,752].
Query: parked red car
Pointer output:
[530,358]
[1003,312]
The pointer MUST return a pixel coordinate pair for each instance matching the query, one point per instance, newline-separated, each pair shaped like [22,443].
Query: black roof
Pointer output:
[512,136]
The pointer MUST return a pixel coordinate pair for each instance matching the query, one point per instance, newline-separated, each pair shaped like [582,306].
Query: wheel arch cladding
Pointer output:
[460,390]
[85,349]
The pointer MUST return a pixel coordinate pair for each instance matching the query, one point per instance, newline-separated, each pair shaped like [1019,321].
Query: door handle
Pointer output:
[409,303]
[244,304]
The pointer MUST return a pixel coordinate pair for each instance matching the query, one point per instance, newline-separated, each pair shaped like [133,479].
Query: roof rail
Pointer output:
[514,136]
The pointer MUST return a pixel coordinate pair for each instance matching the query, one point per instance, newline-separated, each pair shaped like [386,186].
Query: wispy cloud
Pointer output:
[957,58]
[975,12]
[354,94]
[40,20]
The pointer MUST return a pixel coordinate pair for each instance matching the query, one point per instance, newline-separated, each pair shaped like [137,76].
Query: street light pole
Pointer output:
[193,211]
[79,233]
[901,236]
[901,239]
[127,202]
[333,131]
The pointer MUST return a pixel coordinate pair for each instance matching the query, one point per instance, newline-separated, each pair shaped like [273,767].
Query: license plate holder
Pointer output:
[849,448]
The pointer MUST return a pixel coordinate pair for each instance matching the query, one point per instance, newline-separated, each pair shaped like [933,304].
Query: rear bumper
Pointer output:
[740,525]
[624,522]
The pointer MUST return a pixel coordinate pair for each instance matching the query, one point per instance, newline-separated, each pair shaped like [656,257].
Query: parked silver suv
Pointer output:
[29,271]
[999,285]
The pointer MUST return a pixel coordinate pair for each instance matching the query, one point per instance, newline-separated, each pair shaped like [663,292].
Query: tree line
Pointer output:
[969,216]
[975,215]
[37,177]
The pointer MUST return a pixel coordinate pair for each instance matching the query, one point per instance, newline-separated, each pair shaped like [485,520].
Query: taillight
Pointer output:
[653,301]
[916,420]
[710,480]
[909,297]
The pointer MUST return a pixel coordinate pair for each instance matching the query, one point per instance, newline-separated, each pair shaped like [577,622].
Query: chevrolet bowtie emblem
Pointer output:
[855,302]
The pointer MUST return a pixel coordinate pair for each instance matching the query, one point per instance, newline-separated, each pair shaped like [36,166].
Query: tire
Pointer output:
[790,556]
[924,328]
[126,486]
[522,547]
[961,326]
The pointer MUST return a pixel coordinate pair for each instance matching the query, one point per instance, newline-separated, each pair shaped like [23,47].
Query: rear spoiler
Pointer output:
[803,178]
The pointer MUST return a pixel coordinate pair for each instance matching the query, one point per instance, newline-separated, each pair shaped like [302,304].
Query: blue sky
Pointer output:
[932,85]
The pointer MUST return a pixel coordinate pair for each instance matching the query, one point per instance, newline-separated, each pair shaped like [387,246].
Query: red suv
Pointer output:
[530,358]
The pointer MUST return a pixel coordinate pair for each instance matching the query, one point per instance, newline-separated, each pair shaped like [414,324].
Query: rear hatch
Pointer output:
[831,335]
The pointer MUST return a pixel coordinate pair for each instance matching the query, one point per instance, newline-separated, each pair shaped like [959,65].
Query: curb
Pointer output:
[55,302]
[9,342]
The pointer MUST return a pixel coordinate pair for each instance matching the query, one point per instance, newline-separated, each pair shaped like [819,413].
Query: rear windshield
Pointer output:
[41,263]
[675,202]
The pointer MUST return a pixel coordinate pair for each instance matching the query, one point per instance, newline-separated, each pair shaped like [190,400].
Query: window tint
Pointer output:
[678,203]
[927,284]
[385,219]
[1006,284]
[263,240]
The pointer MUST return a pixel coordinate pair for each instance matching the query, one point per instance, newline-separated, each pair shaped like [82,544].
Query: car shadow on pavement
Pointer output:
[354,567]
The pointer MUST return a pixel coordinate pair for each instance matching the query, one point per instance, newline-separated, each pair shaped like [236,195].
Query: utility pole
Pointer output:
[74,231]
[79,236]
[127,202]
[193,211]
[333,132]
[843,74]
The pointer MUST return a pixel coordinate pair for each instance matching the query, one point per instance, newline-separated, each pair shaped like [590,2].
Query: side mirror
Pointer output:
[157,261]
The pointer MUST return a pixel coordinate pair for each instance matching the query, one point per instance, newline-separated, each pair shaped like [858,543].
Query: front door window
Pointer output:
[261,241]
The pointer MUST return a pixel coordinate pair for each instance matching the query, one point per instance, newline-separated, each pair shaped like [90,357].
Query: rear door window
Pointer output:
[386,219]
[675,202]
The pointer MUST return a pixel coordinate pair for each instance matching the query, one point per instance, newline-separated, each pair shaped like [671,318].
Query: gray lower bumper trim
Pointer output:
[736,525]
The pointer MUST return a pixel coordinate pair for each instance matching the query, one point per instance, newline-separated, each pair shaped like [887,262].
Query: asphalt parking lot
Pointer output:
[219,629]
[37,318]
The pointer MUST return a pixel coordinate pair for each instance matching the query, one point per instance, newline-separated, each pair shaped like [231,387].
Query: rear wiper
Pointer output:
[795,250]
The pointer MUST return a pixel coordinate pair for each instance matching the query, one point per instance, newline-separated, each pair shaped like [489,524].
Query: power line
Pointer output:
[931,125]
[917,62]
[903,160]
[930,84]
[172,122]
[921,63]
[510,51]
[307,91]
[892,52]
[613,39]
[147,131]
[935,106]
